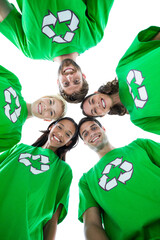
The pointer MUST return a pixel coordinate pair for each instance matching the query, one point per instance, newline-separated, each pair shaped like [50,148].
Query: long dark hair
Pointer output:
[61,152]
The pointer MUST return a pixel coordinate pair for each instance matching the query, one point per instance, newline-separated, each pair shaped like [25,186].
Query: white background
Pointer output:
[39,78]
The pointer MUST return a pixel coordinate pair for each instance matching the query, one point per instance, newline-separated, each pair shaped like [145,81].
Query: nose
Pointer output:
[69,77]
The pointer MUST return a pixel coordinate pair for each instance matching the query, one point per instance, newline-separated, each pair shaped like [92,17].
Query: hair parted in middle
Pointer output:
[61,152]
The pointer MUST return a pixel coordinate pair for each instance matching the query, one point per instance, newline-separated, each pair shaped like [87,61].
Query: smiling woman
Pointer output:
[39,174]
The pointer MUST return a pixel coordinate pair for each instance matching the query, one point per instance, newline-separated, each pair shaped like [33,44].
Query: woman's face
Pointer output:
[61,133]
[47,108]
[97,105]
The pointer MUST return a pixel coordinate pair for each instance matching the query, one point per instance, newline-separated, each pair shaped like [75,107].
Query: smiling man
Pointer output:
[56,30]
[121,190]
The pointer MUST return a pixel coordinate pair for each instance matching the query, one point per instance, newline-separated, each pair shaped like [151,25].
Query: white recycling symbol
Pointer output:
[107,184]
[62,16]
[7,94]
[44,160]
[137,75]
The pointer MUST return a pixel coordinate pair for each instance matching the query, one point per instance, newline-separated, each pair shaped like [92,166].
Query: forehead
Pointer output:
[87,126]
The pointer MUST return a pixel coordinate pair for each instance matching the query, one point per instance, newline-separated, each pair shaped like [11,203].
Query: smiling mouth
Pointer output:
[56,138]
[40,108]
[95,138]
[68,70]
[103,103]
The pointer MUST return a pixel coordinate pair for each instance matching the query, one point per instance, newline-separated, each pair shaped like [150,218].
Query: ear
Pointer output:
[103,128]
[67,144]
[96,92]
[83,75]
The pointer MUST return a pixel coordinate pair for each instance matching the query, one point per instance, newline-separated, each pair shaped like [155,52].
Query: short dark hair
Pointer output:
[75,97]
[61,152]
[87,119]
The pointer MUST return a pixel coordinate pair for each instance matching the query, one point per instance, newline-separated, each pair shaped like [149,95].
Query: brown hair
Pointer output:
[75,97]
[110,88]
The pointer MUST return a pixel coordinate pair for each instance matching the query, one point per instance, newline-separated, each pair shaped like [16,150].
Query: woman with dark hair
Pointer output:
[35,184]
[137,89]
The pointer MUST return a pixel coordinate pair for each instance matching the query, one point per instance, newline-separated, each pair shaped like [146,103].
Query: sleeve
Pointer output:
[152,148]
[5,154]
[11,28]
[141,45]
[11,77]
[63,193]
[97,12]
[7,142]
[149,124]
[86,199]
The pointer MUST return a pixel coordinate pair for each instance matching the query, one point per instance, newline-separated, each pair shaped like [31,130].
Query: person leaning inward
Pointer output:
[62,31]
[14,110]
[137,89]
[35,184]
[119,196]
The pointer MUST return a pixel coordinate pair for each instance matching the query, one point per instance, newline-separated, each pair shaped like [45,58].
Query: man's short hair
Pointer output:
[75,97]
[87,119]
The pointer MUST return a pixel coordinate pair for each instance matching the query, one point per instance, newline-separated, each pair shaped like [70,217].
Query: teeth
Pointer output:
[57,138]
[103,103]
[68,70]
[39,108]
[94,139]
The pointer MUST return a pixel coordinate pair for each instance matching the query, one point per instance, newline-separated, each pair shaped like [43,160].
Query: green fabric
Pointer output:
[127,190]
[13,109]
[138,75]
[34,181]
[40,30]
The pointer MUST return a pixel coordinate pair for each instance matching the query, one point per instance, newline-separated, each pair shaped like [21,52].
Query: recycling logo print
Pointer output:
[143,96]
[106,184]
[62,17]
[7,94]
[44,160]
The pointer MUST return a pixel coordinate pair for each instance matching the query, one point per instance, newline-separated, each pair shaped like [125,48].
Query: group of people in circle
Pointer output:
[35,179]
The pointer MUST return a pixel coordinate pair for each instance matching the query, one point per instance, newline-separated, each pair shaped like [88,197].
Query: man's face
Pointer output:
[93,135]
[70,77]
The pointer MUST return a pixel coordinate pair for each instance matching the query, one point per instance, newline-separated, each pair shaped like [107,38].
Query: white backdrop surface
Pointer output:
[39,78]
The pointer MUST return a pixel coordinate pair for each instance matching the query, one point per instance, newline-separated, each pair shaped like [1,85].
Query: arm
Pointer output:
[5,8]
[49,231]
[93,225]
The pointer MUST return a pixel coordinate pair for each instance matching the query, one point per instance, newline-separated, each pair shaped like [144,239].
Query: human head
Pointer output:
[49,107]
[71,142]
[72,82]
[92,133]
[102,102]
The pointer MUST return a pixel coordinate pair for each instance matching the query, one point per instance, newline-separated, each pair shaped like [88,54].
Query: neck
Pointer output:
[29,110]
[48,146]
[72,56]
[115,98]
[107,148]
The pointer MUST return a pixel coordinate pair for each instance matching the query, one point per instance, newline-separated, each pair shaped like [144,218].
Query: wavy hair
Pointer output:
[61,152]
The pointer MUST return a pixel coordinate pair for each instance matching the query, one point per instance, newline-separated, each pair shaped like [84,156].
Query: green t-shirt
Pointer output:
[125,184]
[34,182]
[138,75]
[13,109]
[47,29]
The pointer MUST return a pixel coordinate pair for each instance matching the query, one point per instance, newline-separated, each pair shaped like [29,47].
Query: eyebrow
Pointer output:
[90,127]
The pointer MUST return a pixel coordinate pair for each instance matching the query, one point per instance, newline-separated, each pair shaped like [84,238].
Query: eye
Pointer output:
[59,127]
[50,102]
[51,113]
[65,84]
[95,111]
[92,101]
[76,81]
[94,128]
[67,134]
[85,134]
